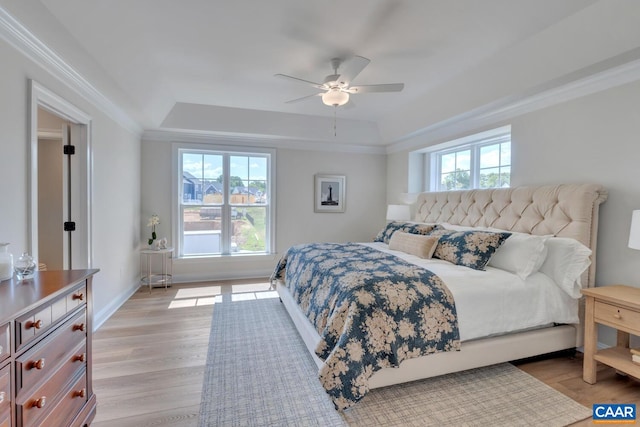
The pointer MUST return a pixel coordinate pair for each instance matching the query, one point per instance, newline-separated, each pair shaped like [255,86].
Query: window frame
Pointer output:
[473,144]
[226,206]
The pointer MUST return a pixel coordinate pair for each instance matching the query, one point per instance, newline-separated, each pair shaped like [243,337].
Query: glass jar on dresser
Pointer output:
[45,371]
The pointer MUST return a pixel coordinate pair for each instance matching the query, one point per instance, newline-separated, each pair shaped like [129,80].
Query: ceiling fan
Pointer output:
[337,88]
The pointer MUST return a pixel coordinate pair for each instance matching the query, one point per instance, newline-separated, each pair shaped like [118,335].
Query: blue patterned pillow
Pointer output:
[407,227]
[471,248]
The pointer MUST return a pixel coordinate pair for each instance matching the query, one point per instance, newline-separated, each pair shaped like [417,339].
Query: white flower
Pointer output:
[153,221]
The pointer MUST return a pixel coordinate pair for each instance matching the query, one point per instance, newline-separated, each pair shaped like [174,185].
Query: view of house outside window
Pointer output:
[224,203]
[485,163]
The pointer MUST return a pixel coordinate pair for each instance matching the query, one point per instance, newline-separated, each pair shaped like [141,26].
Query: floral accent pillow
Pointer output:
[407,227]
[471,249]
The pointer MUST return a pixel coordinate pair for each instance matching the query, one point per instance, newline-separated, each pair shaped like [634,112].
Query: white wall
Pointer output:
[116,185]
[595,138]
[296,221]
[591,139]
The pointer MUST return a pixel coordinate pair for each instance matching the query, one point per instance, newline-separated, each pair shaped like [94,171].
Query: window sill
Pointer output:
[225,258]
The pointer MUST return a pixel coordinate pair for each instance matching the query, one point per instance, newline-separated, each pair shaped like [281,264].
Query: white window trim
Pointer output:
[175,194]
[475,141]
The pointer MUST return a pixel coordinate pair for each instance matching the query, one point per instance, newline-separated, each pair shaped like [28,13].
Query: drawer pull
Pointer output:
[39,403]
[37,324]
[38,364]
[80,357]
[79,296]
[80,393]
[79,327]
[2,393]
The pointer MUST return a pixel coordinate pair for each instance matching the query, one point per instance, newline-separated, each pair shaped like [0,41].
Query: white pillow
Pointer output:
[521,254]
[566,260]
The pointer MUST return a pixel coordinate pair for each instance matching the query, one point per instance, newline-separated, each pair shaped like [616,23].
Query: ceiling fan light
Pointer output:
[335,98]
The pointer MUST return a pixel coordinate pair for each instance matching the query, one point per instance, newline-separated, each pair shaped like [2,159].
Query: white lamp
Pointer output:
[334,97]
[398,213]
[634,232]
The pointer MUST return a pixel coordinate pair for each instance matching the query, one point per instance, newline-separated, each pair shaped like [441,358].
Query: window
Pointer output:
[224,202]
[479,161]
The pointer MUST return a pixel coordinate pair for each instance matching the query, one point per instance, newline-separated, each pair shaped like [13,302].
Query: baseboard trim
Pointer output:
[103,315]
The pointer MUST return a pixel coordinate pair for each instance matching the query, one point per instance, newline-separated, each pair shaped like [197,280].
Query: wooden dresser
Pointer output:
[45,350]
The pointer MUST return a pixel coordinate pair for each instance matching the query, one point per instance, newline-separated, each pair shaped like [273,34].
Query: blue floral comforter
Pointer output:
[371,309]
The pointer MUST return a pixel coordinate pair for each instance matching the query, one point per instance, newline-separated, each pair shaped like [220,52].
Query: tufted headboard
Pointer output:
[564,210]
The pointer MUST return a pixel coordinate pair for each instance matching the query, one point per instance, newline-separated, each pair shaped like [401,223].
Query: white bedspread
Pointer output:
[494,301]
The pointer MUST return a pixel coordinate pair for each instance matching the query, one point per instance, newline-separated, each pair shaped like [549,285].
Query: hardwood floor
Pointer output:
[564,374]
[149,359]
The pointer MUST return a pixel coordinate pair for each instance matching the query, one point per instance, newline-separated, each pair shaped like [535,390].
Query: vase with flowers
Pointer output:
[153,221]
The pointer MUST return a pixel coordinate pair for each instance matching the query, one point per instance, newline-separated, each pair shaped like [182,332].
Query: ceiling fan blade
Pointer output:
[314,84]
[303,98]
[390,87]
[351,68]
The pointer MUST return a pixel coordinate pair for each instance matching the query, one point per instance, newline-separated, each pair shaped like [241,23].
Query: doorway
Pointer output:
[60,215]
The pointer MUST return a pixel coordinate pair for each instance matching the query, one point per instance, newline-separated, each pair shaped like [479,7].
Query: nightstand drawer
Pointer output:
[617,317]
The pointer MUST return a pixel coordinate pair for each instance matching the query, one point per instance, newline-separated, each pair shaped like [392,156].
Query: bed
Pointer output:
[541,308]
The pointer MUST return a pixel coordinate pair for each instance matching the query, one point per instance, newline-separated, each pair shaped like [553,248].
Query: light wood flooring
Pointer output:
[149,359]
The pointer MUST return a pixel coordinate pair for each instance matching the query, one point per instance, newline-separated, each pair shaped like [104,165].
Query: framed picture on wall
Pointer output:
[330,193]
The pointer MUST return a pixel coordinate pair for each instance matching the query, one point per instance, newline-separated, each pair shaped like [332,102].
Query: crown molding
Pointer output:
[25,42]
[268,141]
[508,108]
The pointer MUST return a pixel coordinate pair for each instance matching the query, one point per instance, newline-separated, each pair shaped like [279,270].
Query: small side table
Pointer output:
[616,306]
[155,279]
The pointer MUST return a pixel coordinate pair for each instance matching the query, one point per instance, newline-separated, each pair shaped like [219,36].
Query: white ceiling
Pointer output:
[225,53]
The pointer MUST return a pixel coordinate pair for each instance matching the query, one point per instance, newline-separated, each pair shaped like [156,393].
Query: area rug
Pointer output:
[259,373]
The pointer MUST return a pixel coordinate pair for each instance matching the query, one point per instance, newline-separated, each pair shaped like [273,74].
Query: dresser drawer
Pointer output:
[69,405]
[5,393]
[65,346]
[617,317]
[38,404]
[5,344]
[76,298]
[31,325]
[38,321]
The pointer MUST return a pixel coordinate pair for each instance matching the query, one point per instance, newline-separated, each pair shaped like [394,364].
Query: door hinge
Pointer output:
[69,150]
[69,226]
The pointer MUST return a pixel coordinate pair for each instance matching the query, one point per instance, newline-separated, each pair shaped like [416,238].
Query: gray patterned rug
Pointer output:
[259,374]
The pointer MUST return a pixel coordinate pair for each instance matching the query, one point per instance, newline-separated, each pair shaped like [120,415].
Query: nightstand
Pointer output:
[617,306]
